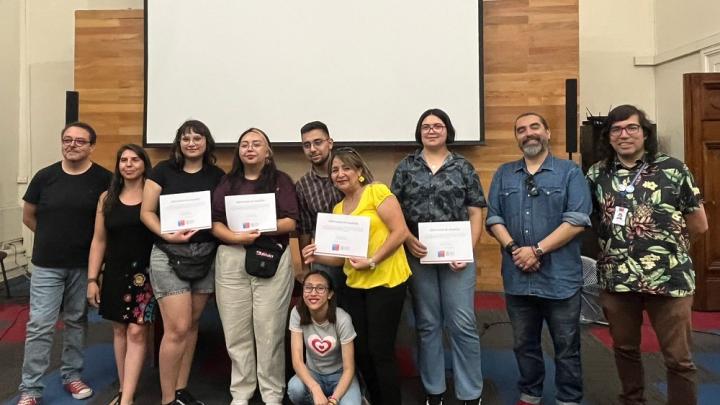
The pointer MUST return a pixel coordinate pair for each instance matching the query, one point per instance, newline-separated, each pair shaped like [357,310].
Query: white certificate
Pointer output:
[446,241]
[251,211]
[342,235]
[182,211]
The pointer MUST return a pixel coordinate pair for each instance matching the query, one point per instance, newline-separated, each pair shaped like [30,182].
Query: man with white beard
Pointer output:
[538,206]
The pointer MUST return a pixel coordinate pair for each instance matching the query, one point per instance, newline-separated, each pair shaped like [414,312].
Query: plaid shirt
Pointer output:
[315,194]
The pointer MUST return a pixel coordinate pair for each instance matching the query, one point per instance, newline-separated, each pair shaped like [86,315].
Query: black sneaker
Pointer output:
[434,399]
[184,397]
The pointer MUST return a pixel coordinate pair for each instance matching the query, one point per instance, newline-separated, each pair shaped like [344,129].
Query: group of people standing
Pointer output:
[88,221]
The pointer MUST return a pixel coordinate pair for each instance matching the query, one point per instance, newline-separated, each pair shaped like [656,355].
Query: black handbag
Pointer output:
[262,257]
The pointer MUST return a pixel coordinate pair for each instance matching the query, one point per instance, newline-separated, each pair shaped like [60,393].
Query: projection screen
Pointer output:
[368,69]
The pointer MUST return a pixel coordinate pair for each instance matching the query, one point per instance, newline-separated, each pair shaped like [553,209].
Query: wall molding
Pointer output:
[679,52]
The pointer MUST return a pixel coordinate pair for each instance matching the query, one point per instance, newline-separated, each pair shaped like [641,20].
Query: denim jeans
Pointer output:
[562,316]
[443,298]
[49,288]
[300,395]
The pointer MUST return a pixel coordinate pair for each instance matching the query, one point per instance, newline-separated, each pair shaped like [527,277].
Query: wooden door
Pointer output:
[702,155]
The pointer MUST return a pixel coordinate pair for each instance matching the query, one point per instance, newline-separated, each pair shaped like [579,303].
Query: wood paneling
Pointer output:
[531,47]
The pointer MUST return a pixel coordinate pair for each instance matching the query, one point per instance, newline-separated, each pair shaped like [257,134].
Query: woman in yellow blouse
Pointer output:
[376,284]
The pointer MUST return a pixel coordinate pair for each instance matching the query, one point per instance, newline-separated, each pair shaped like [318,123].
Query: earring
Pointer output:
[361,179]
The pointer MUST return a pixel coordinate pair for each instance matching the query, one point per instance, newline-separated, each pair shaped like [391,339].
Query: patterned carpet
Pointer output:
[210,376]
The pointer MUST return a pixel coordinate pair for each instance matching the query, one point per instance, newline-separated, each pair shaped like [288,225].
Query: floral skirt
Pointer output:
[126,295]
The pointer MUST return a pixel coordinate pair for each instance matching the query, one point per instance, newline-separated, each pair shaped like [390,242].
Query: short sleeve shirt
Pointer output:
[286,205]
[392,271]
[65,212]
[649,252]
[323,351]
[174,181]
[443,196]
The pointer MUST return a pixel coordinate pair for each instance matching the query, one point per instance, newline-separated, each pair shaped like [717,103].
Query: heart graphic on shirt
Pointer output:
[321,345]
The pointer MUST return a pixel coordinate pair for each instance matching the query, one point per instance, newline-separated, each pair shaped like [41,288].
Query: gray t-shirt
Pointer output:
[323,353]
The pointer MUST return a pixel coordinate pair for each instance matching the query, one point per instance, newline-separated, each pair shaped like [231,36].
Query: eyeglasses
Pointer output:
[320,289]
[316,143]
[531,186]
[631,129]
[436,127]
[80,142]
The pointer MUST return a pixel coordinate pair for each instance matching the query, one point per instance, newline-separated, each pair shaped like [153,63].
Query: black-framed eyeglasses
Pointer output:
[316,143]
[531,186]
[320,289]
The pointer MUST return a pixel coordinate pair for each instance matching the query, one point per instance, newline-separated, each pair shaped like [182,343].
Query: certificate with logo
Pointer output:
[342,235]
[446,241]
[183,211]
[251,211]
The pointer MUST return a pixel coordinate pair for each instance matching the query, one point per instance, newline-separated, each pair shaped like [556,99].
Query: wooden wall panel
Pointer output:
[531,47]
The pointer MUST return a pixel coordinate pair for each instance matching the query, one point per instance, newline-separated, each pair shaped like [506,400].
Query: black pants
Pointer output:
[375,314]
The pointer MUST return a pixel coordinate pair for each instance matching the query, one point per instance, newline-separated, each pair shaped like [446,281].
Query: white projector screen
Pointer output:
[368,69]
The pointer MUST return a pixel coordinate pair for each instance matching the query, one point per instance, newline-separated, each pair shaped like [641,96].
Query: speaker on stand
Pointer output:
[571,117]
[72,106]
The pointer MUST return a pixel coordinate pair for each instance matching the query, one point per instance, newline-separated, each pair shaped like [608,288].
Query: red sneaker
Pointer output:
[78,389]
[27,399]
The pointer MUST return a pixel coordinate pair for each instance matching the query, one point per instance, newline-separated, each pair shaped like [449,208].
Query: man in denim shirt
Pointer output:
[537,207]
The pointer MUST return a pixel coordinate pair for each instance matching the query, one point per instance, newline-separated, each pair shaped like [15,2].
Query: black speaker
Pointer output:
[571,114]
[72,111]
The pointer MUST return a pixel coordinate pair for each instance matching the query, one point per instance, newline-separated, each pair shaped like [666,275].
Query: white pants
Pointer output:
[254,317]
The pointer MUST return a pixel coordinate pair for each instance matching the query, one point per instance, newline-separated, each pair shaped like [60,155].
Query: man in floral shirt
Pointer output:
[647,207]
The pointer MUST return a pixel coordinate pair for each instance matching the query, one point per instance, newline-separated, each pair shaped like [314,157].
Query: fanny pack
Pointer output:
[191,261]
[263,257]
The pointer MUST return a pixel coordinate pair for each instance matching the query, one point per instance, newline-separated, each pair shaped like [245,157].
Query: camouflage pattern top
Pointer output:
[443,196]
[649,253]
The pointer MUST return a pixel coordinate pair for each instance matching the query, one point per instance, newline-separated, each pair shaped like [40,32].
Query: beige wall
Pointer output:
[681,29]
[9,116]
[680,22]
[612,33]
[636,52]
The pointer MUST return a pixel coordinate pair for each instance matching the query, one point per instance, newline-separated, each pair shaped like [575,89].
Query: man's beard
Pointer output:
[322,163]
[535,149]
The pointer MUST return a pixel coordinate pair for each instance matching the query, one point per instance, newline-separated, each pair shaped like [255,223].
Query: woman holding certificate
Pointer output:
[183,287]
[436,185]
[377,283]
[254,275]
[123,244]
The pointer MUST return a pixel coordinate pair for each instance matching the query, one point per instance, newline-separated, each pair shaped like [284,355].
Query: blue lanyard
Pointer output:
[631,187]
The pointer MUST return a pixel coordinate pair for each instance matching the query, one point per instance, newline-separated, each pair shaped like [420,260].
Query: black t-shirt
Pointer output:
[174,181]
[65,214]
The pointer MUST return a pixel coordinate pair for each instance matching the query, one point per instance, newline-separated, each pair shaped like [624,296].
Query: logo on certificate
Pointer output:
[335,247]
[441,253]
[182,222]
[246,225]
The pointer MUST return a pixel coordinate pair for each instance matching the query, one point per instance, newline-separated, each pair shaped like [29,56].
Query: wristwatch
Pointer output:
[538,251]
[372,264]
[511,246]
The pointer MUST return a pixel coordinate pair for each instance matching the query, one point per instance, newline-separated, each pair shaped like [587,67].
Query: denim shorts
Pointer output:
[165,282]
